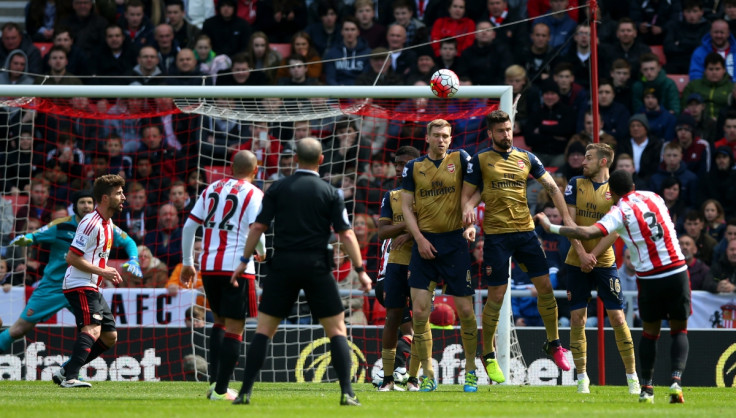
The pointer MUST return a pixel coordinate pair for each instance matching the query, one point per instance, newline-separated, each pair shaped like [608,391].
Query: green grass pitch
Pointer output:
[186,399]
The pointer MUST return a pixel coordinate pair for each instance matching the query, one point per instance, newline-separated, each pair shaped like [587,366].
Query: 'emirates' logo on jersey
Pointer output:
[608,195]
[451,167]
[521,164]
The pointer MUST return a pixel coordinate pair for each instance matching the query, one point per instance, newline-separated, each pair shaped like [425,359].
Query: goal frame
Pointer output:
[503,93]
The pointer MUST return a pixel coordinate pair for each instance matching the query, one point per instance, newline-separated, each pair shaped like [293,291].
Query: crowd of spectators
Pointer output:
[678,141]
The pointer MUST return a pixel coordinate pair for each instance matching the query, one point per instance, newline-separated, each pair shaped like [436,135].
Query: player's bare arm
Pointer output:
[388,230]
[556,195]
[426,249]
[580,232]
[604,244]
[351,247]
[396,232]
[587,260]
[78,262]
[254,237]
[468,201]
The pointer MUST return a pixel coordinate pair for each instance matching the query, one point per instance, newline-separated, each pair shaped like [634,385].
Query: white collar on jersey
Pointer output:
[301,170]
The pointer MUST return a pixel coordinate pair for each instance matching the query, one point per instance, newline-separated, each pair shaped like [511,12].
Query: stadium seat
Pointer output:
[216,172]
[374,311]
[680,79]
[283,49]
[520,143]
[43,47]
[17,201]
[117,263]
[658,50]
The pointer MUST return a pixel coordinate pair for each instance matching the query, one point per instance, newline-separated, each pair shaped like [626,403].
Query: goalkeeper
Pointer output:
[48,299]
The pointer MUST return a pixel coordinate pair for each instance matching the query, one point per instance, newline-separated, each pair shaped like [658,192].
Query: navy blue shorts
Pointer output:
[450,266]
[603,279]
[523,246]
[396,286]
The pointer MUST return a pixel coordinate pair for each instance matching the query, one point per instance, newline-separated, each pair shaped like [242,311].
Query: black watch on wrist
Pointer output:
[358,269]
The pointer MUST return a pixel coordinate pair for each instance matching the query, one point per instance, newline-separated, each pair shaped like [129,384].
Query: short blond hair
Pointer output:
[437,123]
[515,71]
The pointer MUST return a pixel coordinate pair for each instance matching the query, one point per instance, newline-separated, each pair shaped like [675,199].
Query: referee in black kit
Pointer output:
[303,207]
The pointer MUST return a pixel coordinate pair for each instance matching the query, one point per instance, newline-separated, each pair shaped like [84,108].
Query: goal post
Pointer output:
[226,116]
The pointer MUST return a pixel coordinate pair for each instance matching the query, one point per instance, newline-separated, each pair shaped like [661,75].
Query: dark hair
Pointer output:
[691,4]
[606,81]
[694,215]
[344,123]
[648,57]
[621,182]
[299,57]
[241,57]
[625,20]
[669,182]
[408,150]
[179,3]
[63,29]
[58,48]
[563,66]
[105,185]
[495,117]
[715,58]
[133,3]
[325,6]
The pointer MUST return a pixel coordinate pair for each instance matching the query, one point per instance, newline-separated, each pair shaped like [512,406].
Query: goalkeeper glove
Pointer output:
[22,240]
[133,267]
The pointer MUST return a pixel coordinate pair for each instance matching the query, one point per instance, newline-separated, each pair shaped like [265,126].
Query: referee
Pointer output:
[303,207]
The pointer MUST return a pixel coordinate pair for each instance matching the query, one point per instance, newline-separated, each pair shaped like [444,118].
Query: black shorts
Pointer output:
[231,302]
[664,298]
[603,279]
[90,308]
[387,297]
[526,249]
[289,272]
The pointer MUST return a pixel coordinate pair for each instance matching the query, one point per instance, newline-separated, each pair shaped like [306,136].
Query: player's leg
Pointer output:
[279,294]
[609,291]
[651,310]
[217,332]
[469,334]
[422,275]
[20,328]
[578,289]
[234,303]
[88,314]
[256,354]
[394,297]
[44,302]
[530,255]
[325,303]
[421,308]
[108,334]
[497,269]
[678,312]
[406,332]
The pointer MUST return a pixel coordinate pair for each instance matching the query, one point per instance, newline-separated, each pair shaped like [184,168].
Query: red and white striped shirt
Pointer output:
[92,242]
[643,222]
[226,209]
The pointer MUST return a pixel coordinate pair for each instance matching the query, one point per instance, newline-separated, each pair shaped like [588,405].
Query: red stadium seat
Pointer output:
[520,143]
[658,50]
[17,201]
[283,49]
[216,172]
[43,47]
[375,313]
[117,263]
[680,79]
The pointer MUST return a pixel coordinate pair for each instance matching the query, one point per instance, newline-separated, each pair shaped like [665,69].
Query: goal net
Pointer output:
[169,143]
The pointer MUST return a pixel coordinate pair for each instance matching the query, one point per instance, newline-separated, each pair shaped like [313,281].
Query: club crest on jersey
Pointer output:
[608,195]
[569,296]
[521,164]
[489,270]
[29,312]
[451,167]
